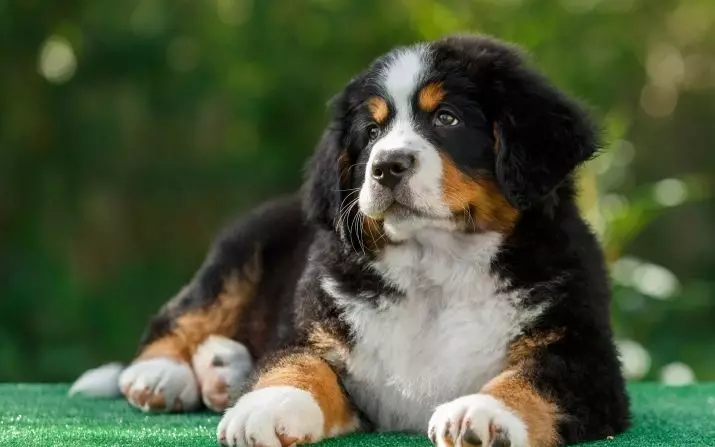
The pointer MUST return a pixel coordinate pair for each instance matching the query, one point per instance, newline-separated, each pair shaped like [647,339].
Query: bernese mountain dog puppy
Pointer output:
[434,275]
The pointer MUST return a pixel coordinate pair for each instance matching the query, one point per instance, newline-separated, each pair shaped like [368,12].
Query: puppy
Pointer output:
[434,275]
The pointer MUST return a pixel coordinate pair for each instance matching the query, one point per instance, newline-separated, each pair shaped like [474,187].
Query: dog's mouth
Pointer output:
[399,211]
[401,221]
[402,216]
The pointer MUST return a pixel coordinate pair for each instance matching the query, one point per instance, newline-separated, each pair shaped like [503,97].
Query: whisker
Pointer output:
[343,214]
[469,216]
[346,190]
[349,208]
[361,232]
[346,198]
[352,231]
[381,234]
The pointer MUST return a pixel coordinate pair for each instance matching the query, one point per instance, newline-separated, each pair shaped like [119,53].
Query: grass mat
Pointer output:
[42,415]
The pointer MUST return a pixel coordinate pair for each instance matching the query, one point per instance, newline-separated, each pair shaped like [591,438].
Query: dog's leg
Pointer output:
[187,353]
[543,399]
[297,398]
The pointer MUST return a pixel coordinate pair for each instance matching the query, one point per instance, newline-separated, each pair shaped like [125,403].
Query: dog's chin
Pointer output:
[402,219]
[402,222]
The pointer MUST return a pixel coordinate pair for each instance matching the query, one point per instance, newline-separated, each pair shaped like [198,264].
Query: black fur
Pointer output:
[542,137]
[278,234]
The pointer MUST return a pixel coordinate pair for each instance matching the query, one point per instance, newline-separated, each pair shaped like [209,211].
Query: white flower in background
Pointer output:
[57,62]
[677,374]
[635,359]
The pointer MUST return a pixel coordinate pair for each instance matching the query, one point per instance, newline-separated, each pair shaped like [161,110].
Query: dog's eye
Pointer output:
[373,132]
[445,119]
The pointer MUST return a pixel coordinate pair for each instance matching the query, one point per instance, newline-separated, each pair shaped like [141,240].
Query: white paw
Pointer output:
[477,419]
[272,417]
[160,384]
[221,366]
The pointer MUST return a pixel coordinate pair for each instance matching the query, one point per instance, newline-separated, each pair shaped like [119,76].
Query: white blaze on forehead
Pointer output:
[402,75]
[401,78]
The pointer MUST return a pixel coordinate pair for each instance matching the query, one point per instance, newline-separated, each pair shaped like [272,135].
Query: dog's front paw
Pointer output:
[272,417]
[477,420]
[160,384]
[221,366]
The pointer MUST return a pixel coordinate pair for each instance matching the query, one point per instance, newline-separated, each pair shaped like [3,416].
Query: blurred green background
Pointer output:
[131,131]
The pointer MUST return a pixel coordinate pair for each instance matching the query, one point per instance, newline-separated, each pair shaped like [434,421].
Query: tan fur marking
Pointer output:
[522,349]
[539,414]
[311,373]
[169,346]
[481,198]
[374,233]
[378,109]
[327,344]
[344,167]
[430,96]
[192,328]
[497,138]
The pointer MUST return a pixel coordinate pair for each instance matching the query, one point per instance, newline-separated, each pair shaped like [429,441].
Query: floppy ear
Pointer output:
[542,136]
[328,170]
[323,189]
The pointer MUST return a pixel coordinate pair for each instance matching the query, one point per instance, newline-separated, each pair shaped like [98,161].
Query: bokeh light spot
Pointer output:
[677,374]
[234,12]
[635,359]
[665,65]
[655,281]
[670,192]
[658,102]
[57,62]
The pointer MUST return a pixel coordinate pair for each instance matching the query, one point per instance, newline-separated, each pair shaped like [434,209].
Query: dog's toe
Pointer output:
[475,421]
[160,384]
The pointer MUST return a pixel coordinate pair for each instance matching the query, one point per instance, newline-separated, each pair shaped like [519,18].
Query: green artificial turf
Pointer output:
[43,415]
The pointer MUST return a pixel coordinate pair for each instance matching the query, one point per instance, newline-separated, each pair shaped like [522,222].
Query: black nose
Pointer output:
[389,168]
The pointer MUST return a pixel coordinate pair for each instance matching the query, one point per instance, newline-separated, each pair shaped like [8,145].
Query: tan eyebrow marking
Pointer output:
[431,95]
[378,109]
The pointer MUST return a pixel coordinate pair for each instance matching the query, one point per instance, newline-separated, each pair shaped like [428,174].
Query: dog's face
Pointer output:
[456,134]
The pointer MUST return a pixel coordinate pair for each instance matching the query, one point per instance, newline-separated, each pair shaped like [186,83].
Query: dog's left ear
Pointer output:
[542,136]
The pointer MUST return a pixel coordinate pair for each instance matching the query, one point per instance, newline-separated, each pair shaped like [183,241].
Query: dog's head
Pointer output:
[457,134]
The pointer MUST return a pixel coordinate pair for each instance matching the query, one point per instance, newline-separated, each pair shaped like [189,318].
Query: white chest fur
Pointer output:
[446,338]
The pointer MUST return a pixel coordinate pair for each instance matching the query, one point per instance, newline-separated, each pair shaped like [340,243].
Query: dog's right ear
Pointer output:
[328,171]
[322,191]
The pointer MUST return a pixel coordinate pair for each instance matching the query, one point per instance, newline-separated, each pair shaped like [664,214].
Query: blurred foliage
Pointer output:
[131,131]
